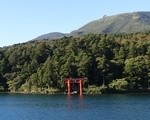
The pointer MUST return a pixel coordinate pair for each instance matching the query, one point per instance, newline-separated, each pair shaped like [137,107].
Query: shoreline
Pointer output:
[62,93]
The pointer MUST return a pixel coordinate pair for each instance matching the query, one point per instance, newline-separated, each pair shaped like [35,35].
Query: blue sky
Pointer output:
[23,20]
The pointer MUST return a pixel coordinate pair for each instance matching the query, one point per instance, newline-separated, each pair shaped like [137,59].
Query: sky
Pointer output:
[24,20]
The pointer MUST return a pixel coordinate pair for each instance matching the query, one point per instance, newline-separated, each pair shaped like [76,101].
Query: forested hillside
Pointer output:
[110,62]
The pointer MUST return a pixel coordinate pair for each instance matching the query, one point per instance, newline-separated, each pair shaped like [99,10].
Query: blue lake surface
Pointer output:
[63,107]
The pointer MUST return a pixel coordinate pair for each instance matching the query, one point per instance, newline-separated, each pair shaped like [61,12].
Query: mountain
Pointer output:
[53,35]
[121,23]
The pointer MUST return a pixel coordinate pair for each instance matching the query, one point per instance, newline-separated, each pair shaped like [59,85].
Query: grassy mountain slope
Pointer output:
[122,23]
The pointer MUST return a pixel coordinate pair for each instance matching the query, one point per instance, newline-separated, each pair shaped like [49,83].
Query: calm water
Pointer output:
[63,107]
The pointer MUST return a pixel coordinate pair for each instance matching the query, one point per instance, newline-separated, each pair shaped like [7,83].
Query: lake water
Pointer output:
[63,107]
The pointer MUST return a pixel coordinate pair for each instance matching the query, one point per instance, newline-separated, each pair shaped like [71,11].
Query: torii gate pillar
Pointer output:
[81,92]
[69,87]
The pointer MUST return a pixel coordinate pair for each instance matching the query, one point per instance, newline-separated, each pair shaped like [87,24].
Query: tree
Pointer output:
[103,67]
[137,70]
[120,85]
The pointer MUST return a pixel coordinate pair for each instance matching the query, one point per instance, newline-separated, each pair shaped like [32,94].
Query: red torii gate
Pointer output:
[69,81]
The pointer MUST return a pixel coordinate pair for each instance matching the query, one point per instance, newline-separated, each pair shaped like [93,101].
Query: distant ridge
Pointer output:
[121,23]
[49,36]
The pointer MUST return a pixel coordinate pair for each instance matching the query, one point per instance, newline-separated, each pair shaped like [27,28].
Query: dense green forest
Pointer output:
[110,62]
